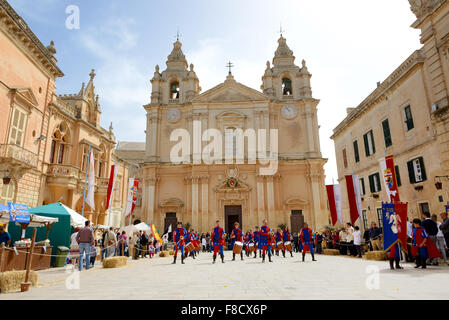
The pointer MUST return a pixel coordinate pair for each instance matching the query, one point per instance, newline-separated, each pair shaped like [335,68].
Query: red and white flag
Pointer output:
[334,198]
[111,184]
[132,195]
[389,178]
[91,182]
[354,197]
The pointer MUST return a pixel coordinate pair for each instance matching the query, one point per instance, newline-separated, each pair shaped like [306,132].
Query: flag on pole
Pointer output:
[91,182]
[394,218]
[389,178]
[169,229]
[354,197]
[111,184]
[132,196]
[156,233]
[334,198]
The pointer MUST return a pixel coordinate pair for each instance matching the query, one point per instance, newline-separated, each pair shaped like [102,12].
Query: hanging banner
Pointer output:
[132,196]
[354,197]
[156,234]
[91,182]
[111,184]
[334,198]
[19,213]
[389,178]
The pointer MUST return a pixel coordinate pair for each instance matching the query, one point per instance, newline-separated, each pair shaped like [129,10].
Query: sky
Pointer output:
[348,45]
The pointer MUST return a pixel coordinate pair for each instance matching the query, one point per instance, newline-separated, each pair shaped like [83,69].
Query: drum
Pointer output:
[251,247]
[237,247]
[288,246]
[189,247]
[280,245]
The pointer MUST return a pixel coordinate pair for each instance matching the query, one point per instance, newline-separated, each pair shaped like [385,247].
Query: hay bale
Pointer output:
[115,262]
[171,252]
[164,254]
[331,252]
[376,255]
[10,280]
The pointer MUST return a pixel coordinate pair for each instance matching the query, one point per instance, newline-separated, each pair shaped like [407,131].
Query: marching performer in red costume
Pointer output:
[217,238]
[236,236]
[278,240]
[307,241]
[423,247]
[178,236]
[285,238]
[265,238]
[190,238]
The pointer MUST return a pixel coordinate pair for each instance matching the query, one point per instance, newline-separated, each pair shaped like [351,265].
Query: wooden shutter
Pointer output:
[379,186]
[372,141]
[411,172]
[365,141]
[345,159]
[356,151]
[387,133]
[398,176]
[371,183]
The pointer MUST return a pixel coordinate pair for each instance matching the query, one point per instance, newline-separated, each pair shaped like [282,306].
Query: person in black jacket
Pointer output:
[431,228]
[444,227]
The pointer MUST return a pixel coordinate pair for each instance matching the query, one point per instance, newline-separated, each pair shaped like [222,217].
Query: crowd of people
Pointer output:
[427,241]
[111,243]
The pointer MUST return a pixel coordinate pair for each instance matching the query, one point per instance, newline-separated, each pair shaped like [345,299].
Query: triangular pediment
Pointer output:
[230,91]
[26,95]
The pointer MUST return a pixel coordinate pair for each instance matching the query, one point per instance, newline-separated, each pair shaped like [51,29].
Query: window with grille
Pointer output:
[416,170]
[362,186]
[379,217]
[365,219]
[18,125]
[374,183]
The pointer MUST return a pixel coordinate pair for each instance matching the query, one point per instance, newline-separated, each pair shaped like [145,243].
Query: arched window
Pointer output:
[59,144]
[174,90]
[101,161]
[8,191]
[287,87]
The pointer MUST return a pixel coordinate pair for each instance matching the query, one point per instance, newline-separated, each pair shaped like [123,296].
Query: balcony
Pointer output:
[63,175]
[17,157]
[102,185]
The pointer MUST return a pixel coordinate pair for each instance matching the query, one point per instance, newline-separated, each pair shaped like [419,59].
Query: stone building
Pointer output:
[405,116]
[198,193]
[44,137]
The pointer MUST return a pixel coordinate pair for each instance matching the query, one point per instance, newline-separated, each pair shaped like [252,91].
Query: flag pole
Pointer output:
[85,182]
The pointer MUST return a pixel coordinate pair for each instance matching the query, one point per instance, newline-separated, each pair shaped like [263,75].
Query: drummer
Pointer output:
[236,236]
[178,237]
[306,240]
[256,237]
[278,241]
[265,240]
[217,238]
[190,238]
[286,237]
[248,241]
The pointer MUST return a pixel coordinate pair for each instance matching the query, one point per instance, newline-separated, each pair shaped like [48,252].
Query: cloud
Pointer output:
[121,82]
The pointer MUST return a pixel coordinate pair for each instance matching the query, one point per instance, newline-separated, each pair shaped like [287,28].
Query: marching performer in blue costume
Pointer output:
[265,233]
[306,240]
[178,236]
[217,237]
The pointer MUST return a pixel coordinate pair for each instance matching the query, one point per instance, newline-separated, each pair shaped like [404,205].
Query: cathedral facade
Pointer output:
[198,192]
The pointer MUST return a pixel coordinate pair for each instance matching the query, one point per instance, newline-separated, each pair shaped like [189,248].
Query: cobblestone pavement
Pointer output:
[331,277]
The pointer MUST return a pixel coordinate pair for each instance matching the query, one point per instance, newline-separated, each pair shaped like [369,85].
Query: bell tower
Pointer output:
[286,81]
[176,84]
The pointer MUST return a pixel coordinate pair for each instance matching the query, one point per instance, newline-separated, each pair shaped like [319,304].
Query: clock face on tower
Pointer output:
[173,115]
[289,111]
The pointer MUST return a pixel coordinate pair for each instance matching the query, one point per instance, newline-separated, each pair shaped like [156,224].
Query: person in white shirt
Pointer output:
[204,243]
[357,240]
[350,239]
[440,242]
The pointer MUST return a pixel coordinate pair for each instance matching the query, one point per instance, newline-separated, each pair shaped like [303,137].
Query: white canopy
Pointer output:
[143,227]
[36,221]
[76,220]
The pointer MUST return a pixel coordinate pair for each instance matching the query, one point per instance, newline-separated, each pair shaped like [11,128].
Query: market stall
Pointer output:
[15,258]
[59,234]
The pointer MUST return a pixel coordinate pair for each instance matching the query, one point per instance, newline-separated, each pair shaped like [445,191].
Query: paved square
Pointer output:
[331,277]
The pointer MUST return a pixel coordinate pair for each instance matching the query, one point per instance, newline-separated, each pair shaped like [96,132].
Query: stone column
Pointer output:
[205,203]
[270,201]
[310,131]
[151,199]
[195,206]
[260,199]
